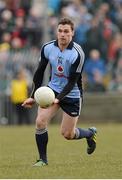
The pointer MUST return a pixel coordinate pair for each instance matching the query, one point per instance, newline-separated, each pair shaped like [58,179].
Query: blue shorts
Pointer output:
[71,106]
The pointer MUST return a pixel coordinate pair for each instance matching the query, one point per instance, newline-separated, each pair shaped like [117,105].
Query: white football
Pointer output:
[44,96]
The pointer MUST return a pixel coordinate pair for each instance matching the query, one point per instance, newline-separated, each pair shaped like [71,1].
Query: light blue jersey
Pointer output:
[62,63]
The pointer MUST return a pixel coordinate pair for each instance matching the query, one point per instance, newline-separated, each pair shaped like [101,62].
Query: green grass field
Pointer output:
[67,159]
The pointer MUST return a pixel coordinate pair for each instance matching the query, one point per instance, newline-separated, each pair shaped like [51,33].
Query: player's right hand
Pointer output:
[28,103]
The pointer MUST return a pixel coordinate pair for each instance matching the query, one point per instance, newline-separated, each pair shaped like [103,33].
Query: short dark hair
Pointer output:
[68,21]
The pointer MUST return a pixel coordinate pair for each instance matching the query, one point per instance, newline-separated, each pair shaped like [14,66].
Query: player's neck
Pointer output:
[62,47]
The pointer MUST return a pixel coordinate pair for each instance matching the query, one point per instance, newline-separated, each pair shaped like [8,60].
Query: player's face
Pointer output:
[64,34]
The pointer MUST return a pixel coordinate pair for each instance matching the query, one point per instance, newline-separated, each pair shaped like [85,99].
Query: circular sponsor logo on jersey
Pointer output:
[60,69]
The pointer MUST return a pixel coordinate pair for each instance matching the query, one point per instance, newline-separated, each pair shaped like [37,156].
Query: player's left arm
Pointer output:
[75,73]
[73,78]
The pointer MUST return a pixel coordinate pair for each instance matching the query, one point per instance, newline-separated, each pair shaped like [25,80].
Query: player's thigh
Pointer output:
[44,115]
[68,124]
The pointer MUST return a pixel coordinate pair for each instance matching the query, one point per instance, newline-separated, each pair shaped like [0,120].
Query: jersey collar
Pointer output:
[70,46]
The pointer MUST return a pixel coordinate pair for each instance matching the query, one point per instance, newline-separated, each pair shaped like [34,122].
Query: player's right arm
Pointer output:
[37,79]
[28,103]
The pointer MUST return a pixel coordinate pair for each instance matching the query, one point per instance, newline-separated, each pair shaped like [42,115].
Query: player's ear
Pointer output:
[73,32]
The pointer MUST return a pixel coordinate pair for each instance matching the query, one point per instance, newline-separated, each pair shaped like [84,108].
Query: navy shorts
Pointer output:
[71,106]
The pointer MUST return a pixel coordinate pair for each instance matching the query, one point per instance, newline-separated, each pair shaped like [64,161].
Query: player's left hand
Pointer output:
[56,101]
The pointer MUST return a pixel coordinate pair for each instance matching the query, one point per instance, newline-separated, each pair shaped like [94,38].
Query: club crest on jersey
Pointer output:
[60,69]
[59,60]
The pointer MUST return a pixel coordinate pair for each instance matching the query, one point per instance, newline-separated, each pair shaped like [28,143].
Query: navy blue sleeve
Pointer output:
[39,74]
[74,77]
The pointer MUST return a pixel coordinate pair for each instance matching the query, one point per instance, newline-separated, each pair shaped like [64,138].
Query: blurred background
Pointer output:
[26,24]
